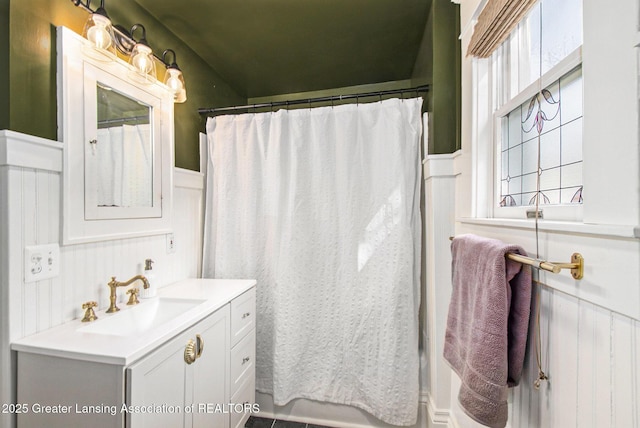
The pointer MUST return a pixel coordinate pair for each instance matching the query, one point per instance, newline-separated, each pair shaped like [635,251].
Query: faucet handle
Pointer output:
[89,314]
[89,305]
[133,298]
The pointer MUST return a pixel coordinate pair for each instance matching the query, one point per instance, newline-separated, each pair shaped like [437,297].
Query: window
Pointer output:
[537,95]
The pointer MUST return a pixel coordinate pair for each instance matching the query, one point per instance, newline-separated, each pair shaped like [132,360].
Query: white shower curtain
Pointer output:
[125,173]
[321,206]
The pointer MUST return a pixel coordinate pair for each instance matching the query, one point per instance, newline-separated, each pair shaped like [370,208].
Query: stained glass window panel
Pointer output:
[551,122]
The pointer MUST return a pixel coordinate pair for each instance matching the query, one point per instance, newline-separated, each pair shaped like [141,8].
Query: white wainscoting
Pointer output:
[30,215]
[439,189]
[590,353]
[590,331]
[592,358]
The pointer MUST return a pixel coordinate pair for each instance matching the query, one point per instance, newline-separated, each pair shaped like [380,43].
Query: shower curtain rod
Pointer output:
[424,88]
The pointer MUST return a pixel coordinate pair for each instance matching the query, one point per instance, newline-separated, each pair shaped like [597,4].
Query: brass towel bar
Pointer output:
[576,265]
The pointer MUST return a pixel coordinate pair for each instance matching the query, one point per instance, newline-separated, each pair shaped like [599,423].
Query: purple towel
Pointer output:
[487,325]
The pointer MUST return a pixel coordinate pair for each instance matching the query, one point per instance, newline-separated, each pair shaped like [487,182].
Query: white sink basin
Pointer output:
[144,316]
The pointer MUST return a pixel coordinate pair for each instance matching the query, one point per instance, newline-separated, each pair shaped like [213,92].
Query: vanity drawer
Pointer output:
[243,357]
[247,397]
[243,315]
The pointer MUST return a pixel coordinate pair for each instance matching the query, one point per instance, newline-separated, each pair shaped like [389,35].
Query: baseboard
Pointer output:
[438,418]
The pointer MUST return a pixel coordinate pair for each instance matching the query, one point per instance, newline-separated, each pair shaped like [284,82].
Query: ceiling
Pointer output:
[271,47]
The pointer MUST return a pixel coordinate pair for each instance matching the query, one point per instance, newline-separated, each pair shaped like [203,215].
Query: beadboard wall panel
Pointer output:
[188,222]
[31,215]
[439,188]
[592,368]
[592,358]
[5,353]
[85,269]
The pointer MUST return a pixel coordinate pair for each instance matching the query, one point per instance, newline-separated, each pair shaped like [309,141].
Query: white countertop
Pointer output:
[66,341]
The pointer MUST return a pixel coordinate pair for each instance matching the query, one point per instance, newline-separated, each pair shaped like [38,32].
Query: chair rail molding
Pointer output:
[27,151]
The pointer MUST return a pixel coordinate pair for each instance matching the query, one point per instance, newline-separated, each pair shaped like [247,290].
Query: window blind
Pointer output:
[495,23]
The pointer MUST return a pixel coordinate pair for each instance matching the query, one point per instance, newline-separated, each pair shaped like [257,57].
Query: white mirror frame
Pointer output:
[76,72]
[92,77]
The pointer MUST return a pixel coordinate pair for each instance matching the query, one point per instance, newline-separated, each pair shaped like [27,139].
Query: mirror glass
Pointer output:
[123,150]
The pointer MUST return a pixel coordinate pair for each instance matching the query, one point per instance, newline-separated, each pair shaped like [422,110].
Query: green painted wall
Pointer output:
[439,63]
[4,64]
[31,69]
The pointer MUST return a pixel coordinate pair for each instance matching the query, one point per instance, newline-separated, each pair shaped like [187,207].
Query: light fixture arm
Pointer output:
[100,10]
[86,5]
[174,78]
[173,63]
[143,39]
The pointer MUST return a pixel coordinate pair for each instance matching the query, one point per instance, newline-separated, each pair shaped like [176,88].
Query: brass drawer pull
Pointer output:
[246,314]
[199,345]
[190,352]
[245,360]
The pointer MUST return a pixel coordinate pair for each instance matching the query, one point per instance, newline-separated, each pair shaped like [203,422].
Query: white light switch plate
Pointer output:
[41,262]
[171,243]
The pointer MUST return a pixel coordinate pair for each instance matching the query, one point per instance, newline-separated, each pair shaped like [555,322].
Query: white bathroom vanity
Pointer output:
[185,358]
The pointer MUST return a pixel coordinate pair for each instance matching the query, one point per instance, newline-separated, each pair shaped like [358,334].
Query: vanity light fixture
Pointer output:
[99,31]
[173,78]
[141,58]
[106,37]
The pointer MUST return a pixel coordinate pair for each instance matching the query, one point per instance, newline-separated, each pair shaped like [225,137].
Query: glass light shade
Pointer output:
[143,63]
[99,31]
[175,81]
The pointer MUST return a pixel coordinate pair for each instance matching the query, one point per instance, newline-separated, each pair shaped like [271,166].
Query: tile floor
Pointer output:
[254,422]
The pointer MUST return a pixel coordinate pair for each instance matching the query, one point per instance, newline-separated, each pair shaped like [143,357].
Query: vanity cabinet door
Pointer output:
[165,390]
[158,380]
[209,375]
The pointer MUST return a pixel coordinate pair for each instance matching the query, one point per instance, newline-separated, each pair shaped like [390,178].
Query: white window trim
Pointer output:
[570,62]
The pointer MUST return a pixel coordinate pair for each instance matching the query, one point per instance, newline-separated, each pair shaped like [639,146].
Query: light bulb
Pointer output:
[141,59]
[99,36]
[174,82]
[99,32]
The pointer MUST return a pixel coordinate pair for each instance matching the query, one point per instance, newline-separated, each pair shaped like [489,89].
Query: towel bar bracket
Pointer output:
[576,266]
[578,271]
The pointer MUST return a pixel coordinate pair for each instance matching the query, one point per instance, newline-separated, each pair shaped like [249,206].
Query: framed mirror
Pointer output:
[118,147]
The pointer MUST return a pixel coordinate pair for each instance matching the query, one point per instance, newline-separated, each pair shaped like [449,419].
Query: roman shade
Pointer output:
[495,23]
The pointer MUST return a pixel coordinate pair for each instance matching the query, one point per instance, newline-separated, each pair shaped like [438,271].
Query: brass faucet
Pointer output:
[113,284]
